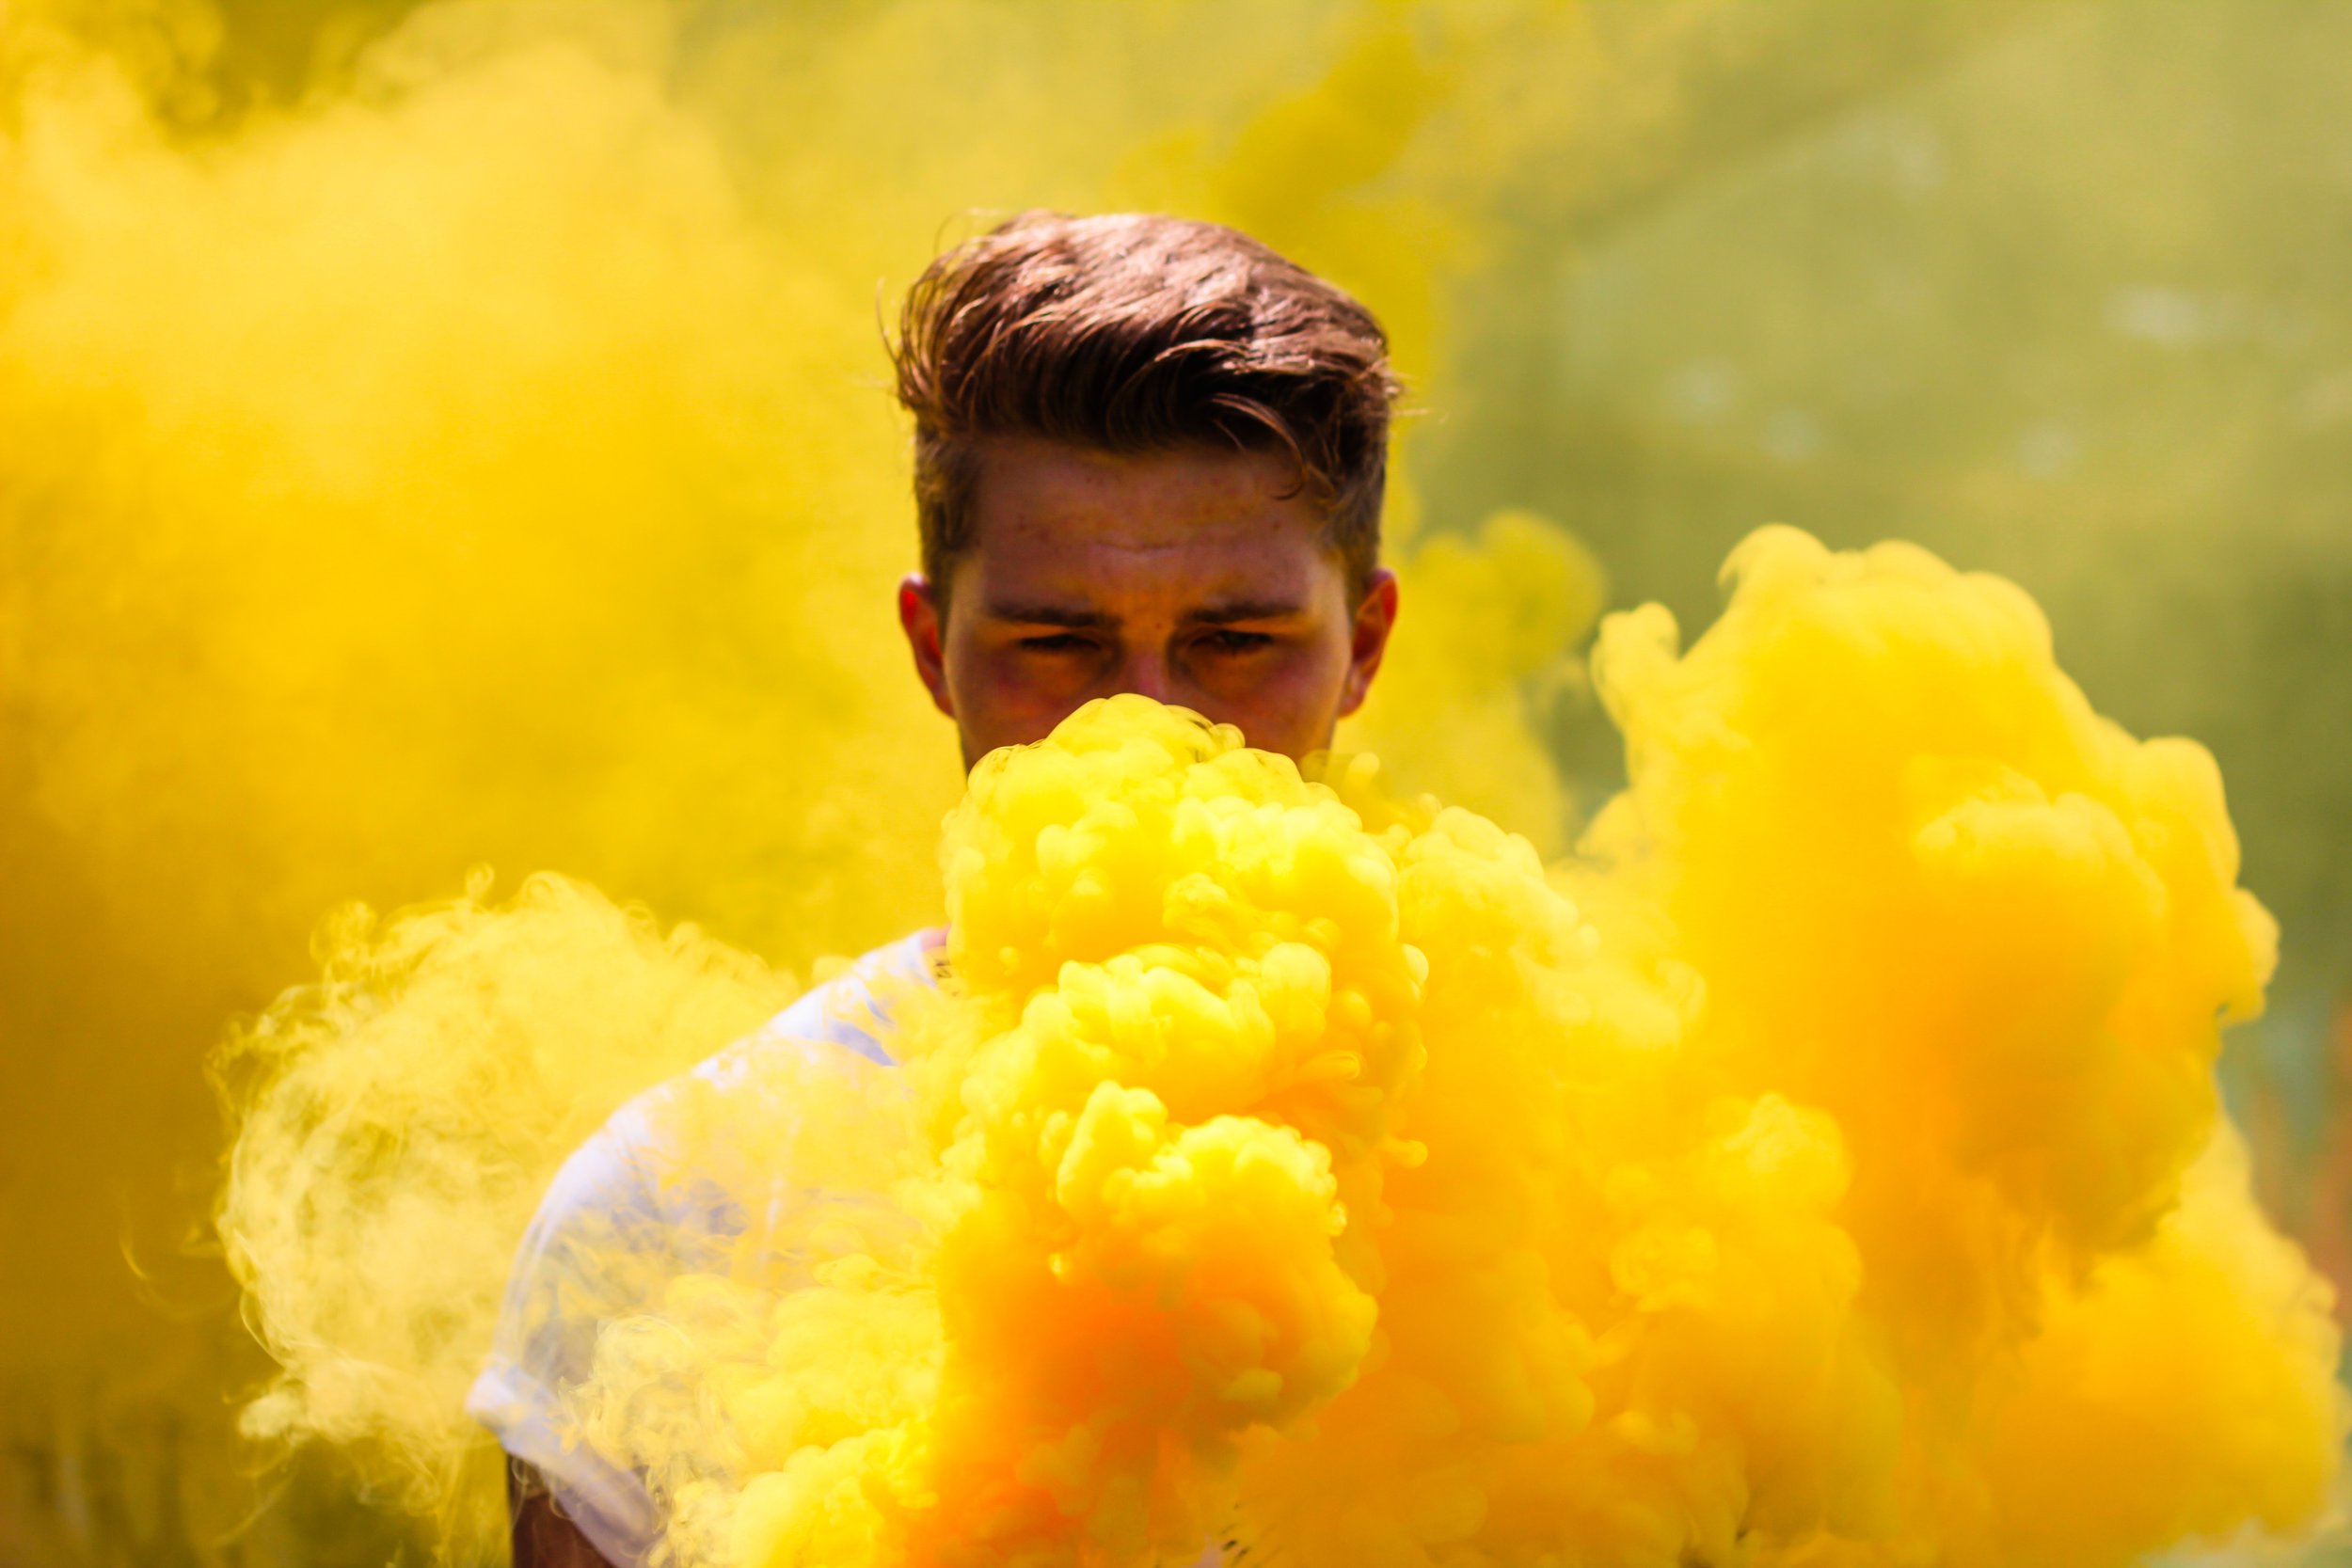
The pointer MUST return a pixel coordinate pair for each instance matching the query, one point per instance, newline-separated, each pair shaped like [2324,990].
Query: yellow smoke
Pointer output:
[451,435]
[442,434]
[1822,1167]
[400,1121]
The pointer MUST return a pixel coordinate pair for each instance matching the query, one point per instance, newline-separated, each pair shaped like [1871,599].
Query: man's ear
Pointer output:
[919,618]
[1368,640]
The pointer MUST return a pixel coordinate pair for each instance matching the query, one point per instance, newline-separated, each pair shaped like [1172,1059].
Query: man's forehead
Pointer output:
[1092,581]
[1021,474]
[1064,536]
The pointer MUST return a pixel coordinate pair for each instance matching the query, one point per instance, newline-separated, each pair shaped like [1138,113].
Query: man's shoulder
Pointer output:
[839,1027]
[692,1159]
[849,1010]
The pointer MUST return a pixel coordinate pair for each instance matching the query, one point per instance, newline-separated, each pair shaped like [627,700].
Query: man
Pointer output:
[1149,456]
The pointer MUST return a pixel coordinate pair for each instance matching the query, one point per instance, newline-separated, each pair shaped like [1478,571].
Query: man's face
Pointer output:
[1188,575]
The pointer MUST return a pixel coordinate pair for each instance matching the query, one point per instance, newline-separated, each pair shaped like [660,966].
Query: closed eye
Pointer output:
[1057,643]
[1225,640]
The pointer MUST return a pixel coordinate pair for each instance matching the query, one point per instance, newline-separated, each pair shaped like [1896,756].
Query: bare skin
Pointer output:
[543,1538]
[1188,575]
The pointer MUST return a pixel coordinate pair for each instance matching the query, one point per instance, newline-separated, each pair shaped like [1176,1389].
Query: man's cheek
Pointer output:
[1030,692]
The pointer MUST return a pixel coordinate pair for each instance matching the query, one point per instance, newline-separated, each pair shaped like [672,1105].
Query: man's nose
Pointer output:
[1145,672]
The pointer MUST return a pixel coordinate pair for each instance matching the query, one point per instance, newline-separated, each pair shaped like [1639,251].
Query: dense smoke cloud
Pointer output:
[453,434]
[1824,1166]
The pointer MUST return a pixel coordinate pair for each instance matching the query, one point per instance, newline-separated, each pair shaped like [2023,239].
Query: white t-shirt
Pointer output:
[622,1216]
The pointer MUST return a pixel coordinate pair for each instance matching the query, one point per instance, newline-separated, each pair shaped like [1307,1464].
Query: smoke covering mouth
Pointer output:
[1823,1166]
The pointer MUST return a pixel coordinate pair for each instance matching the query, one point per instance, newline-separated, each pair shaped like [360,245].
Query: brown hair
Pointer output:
[1133,333]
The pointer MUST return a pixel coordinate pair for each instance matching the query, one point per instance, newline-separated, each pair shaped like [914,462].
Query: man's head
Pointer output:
[1149,456]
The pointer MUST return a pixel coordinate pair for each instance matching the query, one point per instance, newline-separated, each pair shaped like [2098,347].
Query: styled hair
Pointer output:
[1137,333]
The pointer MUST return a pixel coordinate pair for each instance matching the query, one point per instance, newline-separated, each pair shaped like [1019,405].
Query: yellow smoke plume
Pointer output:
[448,434]
[1821,1167]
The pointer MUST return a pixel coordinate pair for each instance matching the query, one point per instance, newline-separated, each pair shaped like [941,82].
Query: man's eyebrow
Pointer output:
[1051,616]
[1227,611]
[1220,612]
